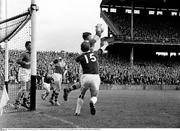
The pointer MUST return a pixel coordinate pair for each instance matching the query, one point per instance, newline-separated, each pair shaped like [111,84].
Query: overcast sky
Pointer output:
[60,23]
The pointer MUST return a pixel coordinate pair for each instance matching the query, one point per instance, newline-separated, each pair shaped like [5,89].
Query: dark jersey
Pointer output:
[89,63]
[59,66]
[48,79]
[24,61]
[58,69]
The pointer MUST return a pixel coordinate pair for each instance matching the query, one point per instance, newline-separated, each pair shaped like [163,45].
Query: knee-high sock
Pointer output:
[47,93]
[75,86]
[52,96]
[79,105]
[20,93]
[93,99]
[56,96]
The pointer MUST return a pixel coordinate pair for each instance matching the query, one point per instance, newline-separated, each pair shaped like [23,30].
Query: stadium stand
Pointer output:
[155,29]
[113,70]
[145,28]
[161,30]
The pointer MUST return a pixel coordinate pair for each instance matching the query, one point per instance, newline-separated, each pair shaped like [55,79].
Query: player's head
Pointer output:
[85,46]
[28,45]
[86,35]
[55,61]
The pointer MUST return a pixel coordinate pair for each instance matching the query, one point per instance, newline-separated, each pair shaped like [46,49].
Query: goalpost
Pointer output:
[33,55]
[9,29]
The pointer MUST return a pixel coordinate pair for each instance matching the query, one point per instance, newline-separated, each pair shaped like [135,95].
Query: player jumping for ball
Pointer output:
[90,78]
[87,37]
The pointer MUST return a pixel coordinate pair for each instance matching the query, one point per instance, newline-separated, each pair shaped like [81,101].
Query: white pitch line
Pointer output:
[62,120]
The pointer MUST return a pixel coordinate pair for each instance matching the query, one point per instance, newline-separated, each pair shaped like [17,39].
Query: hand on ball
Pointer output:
[99,28]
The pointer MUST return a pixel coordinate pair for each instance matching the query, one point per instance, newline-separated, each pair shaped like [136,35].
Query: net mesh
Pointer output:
[10,27]
[15,30]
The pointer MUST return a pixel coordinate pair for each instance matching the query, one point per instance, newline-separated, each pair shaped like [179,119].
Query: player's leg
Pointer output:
[56,95]
[46,86]
[20,94]
[46,92]
[53,87]
[51,100]
[58,84]
[94,90]
[93,100]
[80,99]
[75,86]
[27,81]
[26,98]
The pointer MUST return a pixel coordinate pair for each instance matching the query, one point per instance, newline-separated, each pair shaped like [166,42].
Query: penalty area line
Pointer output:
[59,119]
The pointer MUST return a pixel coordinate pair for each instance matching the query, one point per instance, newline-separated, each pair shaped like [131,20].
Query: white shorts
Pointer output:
[24,74]
[57,77]
[57,81]
[91,81]
[47,86]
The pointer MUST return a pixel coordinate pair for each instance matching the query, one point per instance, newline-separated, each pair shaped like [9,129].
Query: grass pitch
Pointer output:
[115,109]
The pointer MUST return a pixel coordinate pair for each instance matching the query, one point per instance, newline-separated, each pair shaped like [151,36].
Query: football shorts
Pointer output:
[91,81]
[47,86]
[24,74]
[57,81]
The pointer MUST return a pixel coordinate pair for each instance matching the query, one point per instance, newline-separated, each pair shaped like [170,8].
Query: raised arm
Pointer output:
[99,30]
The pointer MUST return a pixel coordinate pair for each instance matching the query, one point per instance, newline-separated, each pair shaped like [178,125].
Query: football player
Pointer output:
[90,78]
[59,67]
[87,37]
[47,82]
[24,75]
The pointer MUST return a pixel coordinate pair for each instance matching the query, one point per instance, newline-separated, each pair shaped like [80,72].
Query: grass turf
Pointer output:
[115,109]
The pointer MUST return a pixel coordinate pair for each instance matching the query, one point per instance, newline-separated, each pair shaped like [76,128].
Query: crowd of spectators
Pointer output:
[119,71]
[113,70]
[147,28]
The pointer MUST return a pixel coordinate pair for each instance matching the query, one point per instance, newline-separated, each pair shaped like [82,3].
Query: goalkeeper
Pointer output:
[24,75]
[87,37]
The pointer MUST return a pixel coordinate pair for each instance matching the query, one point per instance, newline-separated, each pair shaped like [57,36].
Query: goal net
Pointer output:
[14,31]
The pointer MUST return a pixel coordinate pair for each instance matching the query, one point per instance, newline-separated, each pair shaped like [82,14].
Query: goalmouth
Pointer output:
[9,28]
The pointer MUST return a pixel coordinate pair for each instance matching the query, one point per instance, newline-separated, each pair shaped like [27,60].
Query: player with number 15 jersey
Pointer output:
[88,62]
[90,78]
[88,39]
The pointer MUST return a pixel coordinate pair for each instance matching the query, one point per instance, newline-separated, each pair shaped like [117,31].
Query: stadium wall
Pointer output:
[138,87]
